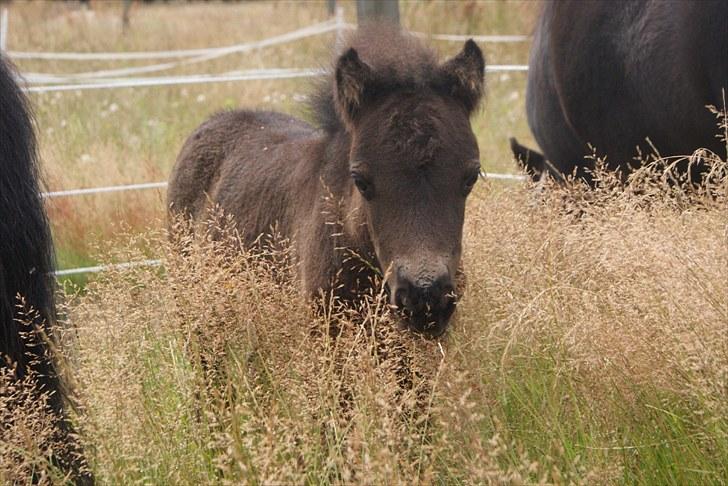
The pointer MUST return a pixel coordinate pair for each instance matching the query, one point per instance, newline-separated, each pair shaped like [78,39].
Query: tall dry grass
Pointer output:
[37,446]
[589,348]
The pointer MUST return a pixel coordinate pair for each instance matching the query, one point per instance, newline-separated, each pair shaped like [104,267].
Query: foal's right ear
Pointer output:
[352,77]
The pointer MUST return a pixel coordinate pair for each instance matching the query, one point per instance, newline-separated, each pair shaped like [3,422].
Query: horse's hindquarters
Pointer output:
[240,161]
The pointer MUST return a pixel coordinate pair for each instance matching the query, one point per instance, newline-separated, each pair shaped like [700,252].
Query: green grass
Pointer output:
[653,438]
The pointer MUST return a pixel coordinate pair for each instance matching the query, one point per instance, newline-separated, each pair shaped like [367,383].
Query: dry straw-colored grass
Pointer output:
[37,447]
[590,348]
[24,436]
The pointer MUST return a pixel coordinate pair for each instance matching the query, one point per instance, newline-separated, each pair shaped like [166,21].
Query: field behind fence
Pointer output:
[113,108]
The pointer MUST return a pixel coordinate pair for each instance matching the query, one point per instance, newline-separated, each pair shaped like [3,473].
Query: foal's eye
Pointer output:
[364,187]
[470,181]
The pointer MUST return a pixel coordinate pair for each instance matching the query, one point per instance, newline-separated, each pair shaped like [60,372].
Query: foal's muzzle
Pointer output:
[426,304]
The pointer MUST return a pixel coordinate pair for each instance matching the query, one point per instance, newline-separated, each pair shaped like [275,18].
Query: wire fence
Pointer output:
[119,78]
[100,190]
[250,75]
[4,15]
[183,53]
[104,268]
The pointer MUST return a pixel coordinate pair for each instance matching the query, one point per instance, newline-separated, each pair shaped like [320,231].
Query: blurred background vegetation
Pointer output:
[131,135]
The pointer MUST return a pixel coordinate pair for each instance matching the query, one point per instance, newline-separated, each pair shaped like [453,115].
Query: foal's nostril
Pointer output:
[427,303]
[430,295]
[409,298]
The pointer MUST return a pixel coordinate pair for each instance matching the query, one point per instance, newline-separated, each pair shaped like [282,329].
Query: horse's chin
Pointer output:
[432,324]
[429,324]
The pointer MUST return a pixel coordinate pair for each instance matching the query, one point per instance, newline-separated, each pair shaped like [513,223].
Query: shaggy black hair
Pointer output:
[26,250]
[27,283]
[398,61]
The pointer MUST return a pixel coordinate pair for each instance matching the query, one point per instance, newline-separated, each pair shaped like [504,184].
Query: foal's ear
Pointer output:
[463,76]
[352,77]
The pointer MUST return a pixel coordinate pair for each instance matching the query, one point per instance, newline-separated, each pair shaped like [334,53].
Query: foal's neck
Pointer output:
[338,147]
[351,214]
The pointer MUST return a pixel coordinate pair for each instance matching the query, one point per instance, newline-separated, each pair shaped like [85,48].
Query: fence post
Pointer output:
[339,28]
[368,10]
[125,20]
[331,6]
[4,29]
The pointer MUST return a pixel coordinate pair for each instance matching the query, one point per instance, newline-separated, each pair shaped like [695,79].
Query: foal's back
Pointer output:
[246,162]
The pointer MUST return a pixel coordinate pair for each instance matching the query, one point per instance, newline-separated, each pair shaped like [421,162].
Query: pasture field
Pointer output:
[591,346]
[123,136]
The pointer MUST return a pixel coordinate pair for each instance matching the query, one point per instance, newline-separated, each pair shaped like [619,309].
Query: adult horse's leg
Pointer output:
[531,161]
[563,150]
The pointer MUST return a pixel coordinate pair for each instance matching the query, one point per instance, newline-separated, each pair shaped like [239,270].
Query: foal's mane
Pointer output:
[399,61]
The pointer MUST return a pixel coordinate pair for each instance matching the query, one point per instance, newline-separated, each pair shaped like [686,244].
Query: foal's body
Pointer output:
[283,161]
[380,185]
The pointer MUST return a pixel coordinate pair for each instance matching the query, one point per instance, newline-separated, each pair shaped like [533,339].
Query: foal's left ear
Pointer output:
[463,76]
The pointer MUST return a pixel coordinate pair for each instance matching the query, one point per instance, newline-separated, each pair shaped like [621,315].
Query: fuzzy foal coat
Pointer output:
[266,169]
[383,177]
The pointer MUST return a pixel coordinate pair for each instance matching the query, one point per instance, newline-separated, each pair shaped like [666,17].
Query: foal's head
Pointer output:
[413,162]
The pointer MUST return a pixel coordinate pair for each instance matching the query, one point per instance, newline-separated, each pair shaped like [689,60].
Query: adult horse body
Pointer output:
[616,74]
[383,178]
[27,310]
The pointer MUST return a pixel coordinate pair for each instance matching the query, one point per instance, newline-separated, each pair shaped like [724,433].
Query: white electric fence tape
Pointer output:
[252,75]
[316,29]
[182,53]
[504,177]
[257,74]
[105,79]
[3,29]
[106,267]
[99,190]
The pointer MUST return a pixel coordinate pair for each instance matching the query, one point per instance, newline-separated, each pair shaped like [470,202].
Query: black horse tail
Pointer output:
[27,283]
[532,162]
[26,259]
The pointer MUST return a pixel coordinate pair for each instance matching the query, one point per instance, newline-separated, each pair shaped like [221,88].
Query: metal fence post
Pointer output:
[368,10]
[4,29]
[340,25]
